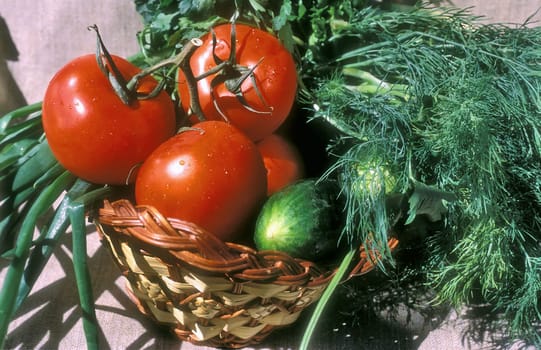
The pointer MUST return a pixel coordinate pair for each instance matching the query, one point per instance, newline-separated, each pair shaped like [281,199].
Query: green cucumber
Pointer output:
[303,220]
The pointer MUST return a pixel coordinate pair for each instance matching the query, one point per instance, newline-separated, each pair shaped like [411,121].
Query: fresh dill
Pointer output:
[465,119]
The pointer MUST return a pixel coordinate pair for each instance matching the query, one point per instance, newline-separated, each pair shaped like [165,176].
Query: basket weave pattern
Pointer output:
[207,291]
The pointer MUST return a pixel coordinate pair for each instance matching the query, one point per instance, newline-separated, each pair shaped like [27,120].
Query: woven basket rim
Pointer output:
[179,241]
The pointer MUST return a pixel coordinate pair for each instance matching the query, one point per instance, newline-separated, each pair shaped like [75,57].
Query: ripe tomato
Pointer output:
[91,132]
[211,175]
[275,78]
[282,161]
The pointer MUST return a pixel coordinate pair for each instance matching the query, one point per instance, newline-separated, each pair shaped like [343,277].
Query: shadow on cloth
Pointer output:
[11,96]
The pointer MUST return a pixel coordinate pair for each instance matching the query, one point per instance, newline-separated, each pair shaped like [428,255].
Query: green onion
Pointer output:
[325,297]
[10,288]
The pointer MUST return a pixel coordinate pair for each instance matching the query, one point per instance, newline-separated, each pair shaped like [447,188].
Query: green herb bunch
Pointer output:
[453,104]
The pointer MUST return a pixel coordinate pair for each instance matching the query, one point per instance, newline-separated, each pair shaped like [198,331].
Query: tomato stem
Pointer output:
[232,74]
[109,68]
[175,61]
[227,72]
[127,90]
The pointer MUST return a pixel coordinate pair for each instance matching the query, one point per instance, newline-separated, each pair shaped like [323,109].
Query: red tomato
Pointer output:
[275,77]
[282,161]
[91,132]
[211,175]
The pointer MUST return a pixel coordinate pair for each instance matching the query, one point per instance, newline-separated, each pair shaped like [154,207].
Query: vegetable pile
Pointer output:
[426,120]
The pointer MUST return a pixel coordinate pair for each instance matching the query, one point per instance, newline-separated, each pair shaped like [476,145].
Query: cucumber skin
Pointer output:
[302,220]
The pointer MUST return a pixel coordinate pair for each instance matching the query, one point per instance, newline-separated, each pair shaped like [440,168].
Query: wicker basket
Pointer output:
[209,292]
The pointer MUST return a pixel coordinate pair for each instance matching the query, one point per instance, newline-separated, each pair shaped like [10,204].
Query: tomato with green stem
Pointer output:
[211,175]
[92,132]
[244,76]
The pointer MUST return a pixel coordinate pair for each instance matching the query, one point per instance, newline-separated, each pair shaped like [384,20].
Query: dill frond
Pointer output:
[437,98]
